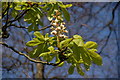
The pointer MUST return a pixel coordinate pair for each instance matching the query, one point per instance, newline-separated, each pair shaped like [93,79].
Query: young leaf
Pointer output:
[87,67]
[61,64]
[71,69]
[76,52]
[44,54]
[65,43]
[96,58]
[39,35]
[51,48]
[64,6]
[33,42]
[30,28]
[78,42]
[85,56]
[91,45]
[79,70]
[77,37]
[66,14]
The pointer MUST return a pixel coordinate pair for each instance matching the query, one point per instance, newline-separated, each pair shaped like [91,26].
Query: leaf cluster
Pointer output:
[72,50]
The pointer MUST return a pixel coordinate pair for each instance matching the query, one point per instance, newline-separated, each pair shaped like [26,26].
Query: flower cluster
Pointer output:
[58,28]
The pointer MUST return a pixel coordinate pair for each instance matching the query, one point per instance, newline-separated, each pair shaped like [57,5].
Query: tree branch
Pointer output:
[27,27]
[25,55]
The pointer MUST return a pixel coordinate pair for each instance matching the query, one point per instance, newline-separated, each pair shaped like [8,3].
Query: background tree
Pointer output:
[87,19]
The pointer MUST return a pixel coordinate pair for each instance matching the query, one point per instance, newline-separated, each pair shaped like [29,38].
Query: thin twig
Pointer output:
[23,54]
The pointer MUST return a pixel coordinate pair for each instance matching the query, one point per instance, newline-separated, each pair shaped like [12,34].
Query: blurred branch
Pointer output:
[27,27]
[18,26]
[23,54]
[105,42]
[110,28]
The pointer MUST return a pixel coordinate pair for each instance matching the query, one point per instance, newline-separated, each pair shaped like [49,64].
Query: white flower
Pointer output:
[56,20]
[54,32]
[61,25]
[63,28]
[54,24]
[56,11]
[52,27]
[58,28]
[65,36]
[65,31]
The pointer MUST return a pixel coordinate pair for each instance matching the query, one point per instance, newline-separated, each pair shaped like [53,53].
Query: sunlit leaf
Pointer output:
[39,35]
[96,58]
[33,42]
[91,45]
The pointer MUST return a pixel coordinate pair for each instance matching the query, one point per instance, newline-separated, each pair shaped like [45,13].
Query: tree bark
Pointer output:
[40,71]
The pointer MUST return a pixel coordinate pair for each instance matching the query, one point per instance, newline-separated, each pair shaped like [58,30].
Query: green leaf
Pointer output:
[30,28]
[85,56]
[33,42]
[39,35]
[91,45]
[44,54]
[87,67]
[40,23]
[57,59]
[66,14]
[71,69]
[61,64]
[79,70]
[51,48]
[76,52]
[17,8]
[64,6]
[96,58]
[38,11]
[65,42]
[38,50]
[77,37]
[78,42]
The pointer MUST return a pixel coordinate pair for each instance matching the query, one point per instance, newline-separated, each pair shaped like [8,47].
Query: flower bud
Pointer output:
[61,35]
[54,32]
[52,27]
[58,28]
[65,31]
[56,20]
[56,11]
[54,24]
[61,25]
